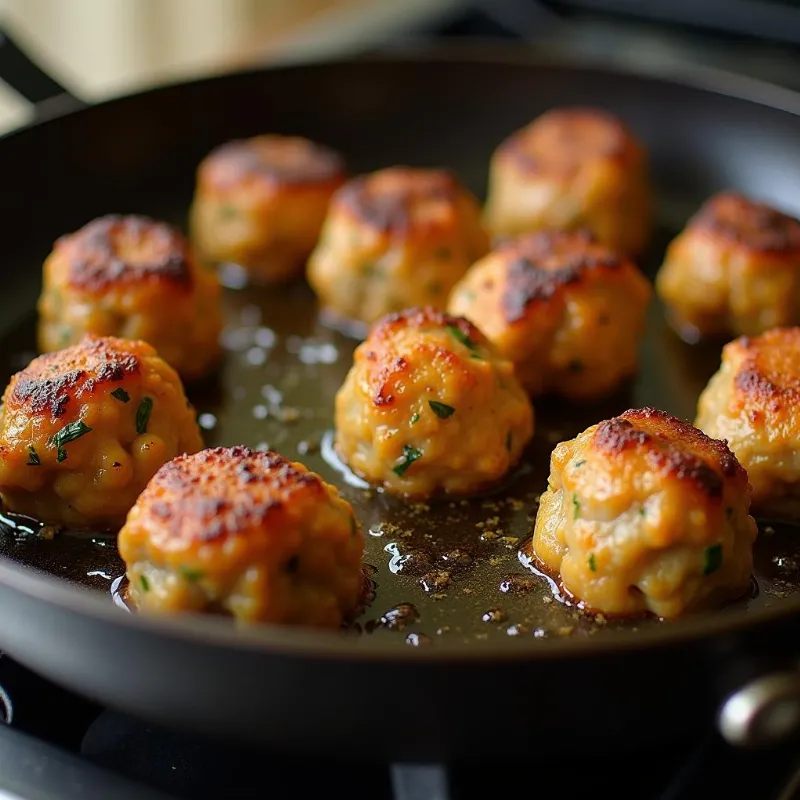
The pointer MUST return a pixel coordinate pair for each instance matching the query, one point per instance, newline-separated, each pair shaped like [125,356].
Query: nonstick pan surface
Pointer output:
[459,627]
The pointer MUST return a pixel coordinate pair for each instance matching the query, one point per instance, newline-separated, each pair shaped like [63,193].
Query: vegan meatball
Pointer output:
[135,278]
[260,203]
[395,239]
[735,269]
[429,406]
[565,309]
[244,533]
[83,430]
[753,402]
[572,168]
[645,513]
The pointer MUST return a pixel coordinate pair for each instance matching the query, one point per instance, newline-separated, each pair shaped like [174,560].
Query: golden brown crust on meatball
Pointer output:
[245,533]
[82,430]
[645,513]
[429,407]
[572,168]
[397,238]
[735,268]
[568,311]
[133,277]
[753,402]
[260,203]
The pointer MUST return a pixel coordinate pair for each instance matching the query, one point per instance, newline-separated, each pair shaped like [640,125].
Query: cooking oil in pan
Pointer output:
[446,569]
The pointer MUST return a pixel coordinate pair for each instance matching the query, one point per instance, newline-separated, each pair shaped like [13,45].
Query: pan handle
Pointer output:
[48,97]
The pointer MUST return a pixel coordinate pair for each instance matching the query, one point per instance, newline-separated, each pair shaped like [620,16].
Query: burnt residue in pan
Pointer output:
[452,568]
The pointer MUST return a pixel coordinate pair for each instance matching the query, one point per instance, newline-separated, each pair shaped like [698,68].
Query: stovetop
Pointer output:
[61,747]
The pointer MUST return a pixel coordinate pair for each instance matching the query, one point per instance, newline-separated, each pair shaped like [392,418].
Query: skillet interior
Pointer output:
[139,155]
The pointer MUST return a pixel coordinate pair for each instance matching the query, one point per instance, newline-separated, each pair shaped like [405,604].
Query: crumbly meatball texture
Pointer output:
[753,402]
[132,277]
[735,269]
[260,203]
[83,430]
[430,407]
[564,308]
[645,513]
[398,238]
[247,534]
[572,168]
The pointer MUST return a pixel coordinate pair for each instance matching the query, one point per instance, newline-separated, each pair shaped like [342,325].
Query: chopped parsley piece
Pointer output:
[476,356]
[469,295]
[414,418]
[579,463]
[575,366]
[642,512]
[143,414]
[144,583]
[191,574]
[442,410]
[462,337]
[592,562]
[712,559]
[410,455]
[508,441]
[576,507]
[121,395]
[33,457]
[69,433]
[293,564]
[227,211]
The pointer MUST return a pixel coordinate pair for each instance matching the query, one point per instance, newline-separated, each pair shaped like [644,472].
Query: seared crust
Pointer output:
[740,221]
[753,402]
[644,513]
[116,249]
[567,310]
[396,238]
[54,380]
[429,407]
[285,160]
[562,140]
[572,168]
[247,534]
[221,493]
[734,269]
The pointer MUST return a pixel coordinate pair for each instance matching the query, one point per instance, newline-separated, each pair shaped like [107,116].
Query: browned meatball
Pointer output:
[260,203]
[735,269]
[572,168]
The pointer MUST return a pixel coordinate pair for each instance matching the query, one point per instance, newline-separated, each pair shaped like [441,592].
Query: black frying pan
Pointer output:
[563,681]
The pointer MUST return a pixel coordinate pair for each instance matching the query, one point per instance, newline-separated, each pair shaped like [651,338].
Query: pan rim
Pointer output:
[296,642]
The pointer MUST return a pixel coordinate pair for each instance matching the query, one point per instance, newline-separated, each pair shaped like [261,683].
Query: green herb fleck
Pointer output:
[69,433]
[579,463]
[576,507]
[371,271]
[414,418]
[469,295]
[121,395]
[33,457]
[592,562]
[442,410]
[462,337]
[293,564]
[227,211]
[143,414]
[476,356]
[712,559]
[191,574]
[575,366]
[144,583]
[410,455]
[442,253]
[508,441]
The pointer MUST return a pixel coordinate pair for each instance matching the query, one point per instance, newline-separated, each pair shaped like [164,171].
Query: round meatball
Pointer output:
[83,430]
[753,402]
[572,168]
[645,513]
[135,278]
[429,406]
[565,309]
[735,269]
[260,203]
[247,534]
[395,239]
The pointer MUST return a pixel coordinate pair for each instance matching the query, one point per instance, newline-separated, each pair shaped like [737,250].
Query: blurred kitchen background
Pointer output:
[104,47]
